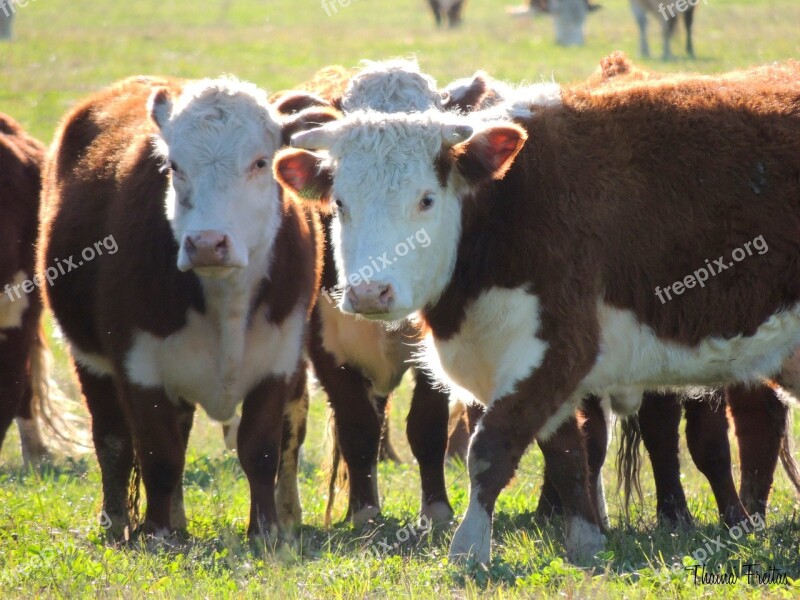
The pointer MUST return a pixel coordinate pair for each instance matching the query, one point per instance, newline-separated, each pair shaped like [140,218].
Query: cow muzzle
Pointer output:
[373,298]
[207,249]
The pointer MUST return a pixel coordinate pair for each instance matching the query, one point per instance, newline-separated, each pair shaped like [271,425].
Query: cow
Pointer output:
[762,432]
[577,262]
[8,11]
[447,11]
[23,350]
[196,287]
[667,12]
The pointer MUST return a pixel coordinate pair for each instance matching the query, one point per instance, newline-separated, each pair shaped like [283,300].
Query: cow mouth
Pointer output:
[216,272]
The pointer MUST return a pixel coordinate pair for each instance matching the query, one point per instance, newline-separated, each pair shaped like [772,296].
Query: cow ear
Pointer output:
[160,107]
[303,174]
[488,154]
[309,118]
[290,102]
[466,98]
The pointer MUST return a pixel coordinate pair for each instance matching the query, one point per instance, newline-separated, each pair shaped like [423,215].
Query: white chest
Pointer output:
[216,364]
[495,348]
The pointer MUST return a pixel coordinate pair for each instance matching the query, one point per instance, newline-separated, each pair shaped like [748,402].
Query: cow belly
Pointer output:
[631,354]
[381,355]
[202,366]
[495,348]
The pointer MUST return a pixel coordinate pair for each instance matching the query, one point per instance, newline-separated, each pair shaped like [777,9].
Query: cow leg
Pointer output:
[659,422]
[667,30]
[437,13]
[358,427]
[454,14]
[466,417]
[177,509]
[14,383]
[595,432]
[383,408]
[113,446]
[259,444]
[503,435]
[707,439]
[641,20]
[157,434]
[426,429]
[688,19]
[295,416]
[759,418]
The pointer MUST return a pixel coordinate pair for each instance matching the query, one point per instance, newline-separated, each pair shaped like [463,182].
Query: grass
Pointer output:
[50,543]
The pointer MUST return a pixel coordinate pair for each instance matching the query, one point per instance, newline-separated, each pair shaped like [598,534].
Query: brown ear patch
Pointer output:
[301,172]
[293,101]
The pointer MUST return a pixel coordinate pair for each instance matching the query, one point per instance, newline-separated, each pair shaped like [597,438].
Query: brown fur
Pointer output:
[21,159]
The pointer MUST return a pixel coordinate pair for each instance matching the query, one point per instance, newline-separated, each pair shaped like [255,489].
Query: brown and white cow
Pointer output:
[541,283]
[207,299]
[22,343]
[447,11]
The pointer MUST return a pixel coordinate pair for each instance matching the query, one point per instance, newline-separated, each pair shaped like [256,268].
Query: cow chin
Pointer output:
[216,272]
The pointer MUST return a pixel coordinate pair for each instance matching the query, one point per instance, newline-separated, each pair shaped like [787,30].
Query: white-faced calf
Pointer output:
[207,298]
[549,236]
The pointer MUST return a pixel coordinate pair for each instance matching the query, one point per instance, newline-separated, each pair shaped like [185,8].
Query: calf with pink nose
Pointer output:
[205,302]
[550,234]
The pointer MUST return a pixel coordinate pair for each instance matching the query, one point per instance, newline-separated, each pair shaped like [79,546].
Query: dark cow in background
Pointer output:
[206,301]
[532,305]
[23,349]
[447,11]
[667,13]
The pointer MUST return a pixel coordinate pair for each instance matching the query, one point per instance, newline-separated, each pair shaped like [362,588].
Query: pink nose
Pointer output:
[372,297]
[207,248]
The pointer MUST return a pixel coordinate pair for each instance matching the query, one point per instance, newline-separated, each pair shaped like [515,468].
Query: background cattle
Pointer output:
[23,351]
[667,15]
[206,301]
[447,12]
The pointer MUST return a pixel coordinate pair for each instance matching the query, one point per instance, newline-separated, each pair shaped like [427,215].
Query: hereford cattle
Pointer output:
[667,13]
[22,343]
[206,301]
[760,419]
[549,260]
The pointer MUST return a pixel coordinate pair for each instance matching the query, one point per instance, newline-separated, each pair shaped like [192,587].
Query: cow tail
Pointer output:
[786,453]
[337,470]
[629,462]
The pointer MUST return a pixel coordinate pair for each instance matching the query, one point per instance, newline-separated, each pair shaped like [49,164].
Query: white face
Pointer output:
[570,16]
[223,204]
[395,224]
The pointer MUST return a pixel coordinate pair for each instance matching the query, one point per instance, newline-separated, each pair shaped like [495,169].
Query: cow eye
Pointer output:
[339,204]
[260,163]
[425,203]
[176,170]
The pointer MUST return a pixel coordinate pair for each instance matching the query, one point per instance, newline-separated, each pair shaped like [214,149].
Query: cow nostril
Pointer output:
[387,294]
[189,245]
[222,246]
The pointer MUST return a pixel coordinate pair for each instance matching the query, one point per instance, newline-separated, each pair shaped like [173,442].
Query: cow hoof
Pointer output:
[365,515]
[584,540]
[472,540]
[436,514]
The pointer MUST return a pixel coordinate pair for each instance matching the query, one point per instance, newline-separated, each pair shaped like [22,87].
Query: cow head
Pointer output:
[218,139]
[397,182]
[570,16]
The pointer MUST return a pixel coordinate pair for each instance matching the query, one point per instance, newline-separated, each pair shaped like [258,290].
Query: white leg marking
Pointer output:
[584,540]
[473,538]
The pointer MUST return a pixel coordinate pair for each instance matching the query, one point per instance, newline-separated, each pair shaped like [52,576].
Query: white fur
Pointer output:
[12,309]
[632,355]
[395,85]
[584,540]
[215,132]
[496,346]
[626,401]
[195,365]
[473,538]
[96,364]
